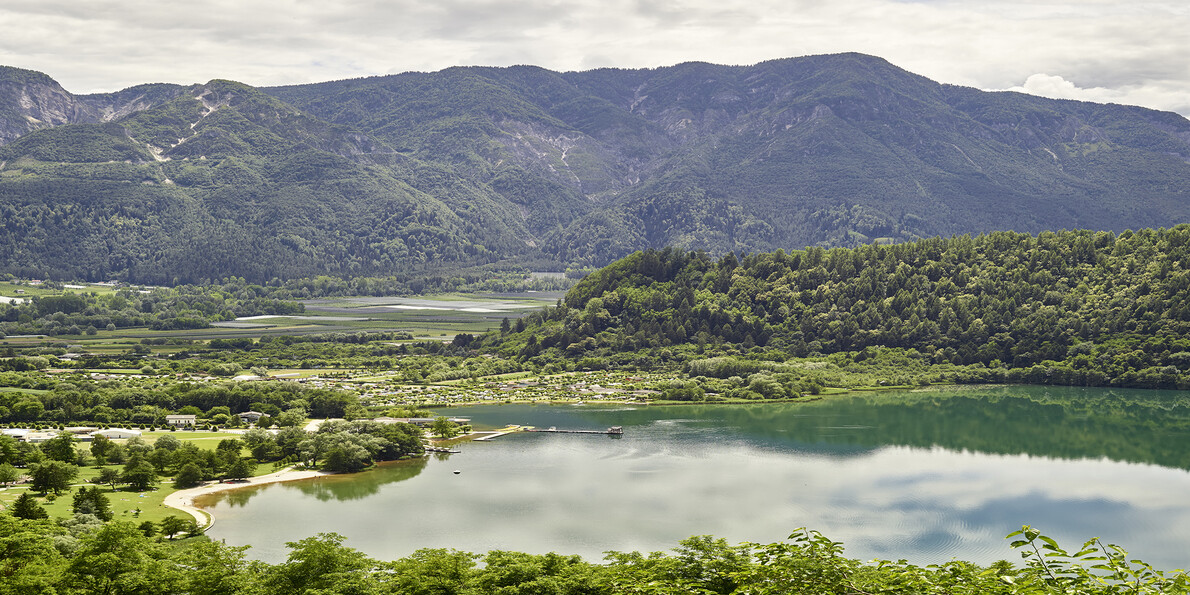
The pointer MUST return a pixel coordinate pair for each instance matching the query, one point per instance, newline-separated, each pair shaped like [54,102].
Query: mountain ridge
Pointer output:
[521,164]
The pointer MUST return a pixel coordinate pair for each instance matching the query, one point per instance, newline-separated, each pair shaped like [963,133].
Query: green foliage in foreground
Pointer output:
[46,558]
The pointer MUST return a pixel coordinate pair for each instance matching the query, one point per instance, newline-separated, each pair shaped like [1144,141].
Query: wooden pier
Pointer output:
[612,431]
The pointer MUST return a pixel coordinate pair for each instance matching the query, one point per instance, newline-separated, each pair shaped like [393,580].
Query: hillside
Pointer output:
[826,150]
[222,180]
[1081,308]
[529,167]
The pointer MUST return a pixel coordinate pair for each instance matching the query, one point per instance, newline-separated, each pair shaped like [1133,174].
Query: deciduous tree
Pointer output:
[52,475]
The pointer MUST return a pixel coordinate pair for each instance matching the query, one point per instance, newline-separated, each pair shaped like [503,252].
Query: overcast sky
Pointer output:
[1099,50]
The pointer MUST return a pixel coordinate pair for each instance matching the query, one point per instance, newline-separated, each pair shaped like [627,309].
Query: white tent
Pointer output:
[117,433]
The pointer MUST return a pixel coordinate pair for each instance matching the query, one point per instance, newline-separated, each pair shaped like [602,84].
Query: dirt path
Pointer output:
[184,499]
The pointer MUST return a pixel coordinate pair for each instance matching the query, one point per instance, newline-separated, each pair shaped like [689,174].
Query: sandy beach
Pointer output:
[184,499]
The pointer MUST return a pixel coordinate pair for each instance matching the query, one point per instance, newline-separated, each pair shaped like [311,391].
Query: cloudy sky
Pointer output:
[1100,50]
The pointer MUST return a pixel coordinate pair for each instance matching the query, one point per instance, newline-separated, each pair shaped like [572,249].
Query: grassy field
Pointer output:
[24,290]
[438,318]
[28,391]
[129,505]
[126,505]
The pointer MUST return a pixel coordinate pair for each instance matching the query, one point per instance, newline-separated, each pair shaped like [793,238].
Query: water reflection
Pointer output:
[892,476]
[360,485]
[355,486]
[1064,422]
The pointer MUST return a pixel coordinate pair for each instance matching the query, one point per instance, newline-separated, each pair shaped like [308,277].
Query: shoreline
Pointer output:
[183,500]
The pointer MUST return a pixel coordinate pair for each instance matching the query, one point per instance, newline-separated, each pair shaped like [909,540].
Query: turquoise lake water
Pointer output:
[926,475]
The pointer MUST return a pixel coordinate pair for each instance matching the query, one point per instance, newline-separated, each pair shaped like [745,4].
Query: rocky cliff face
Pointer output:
[107,107]
[31,100]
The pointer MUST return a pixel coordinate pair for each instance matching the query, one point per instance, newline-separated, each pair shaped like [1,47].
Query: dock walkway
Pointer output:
[612,431]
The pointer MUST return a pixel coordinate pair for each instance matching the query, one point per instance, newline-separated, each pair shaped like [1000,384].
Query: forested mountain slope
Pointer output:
[225,180]
[830,150]
[523,165]
[1080,307]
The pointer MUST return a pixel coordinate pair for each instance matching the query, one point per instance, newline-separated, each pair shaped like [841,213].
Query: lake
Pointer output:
[925,475]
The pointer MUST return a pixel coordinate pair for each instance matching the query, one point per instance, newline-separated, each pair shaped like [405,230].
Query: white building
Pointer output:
[117,433]
[181,420]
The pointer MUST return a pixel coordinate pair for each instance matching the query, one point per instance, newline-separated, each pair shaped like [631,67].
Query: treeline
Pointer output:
[471,280]
[78,399]
[47,558]
[53,465]
[1077,307]
[161,308]
[339,446]
[196,306]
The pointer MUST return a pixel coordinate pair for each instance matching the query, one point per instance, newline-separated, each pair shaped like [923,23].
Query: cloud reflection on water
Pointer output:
[571,495]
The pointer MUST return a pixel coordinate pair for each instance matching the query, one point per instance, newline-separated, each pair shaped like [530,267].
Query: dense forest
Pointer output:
[1074,307]
[42,557]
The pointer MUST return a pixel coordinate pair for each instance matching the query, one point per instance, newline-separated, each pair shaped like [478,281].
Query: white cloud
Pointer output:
[1133,50]
[1168,96]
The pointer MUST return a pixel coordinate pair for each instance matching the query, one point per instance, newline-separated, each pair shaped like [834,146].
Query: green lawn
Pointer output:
[202,439]
[29,391]
[126,505]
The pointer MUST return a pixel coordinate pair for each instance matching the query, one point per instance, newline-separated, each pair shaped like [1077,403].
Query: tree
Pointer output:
[91,501]
[354,411]
[433,572]
[167,442]
[30,564]
[401,440]
[261,444]
[217,569]
[101,446]
[346,457]
[322,564]
[60,447]
[139,474]
[8,474]
[53,475]
[109,476]
[240,469]
[188,476]
[117,454]
[172,525]
[256,437]
[444,428]
[117,559]
[289,441]
[291,418]
[9,449]
[228,451]
[149,528]
[26,507]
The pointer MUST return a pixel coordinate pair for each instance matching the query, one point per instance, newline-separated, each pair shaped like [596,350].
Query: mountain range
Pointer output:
[526,167]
